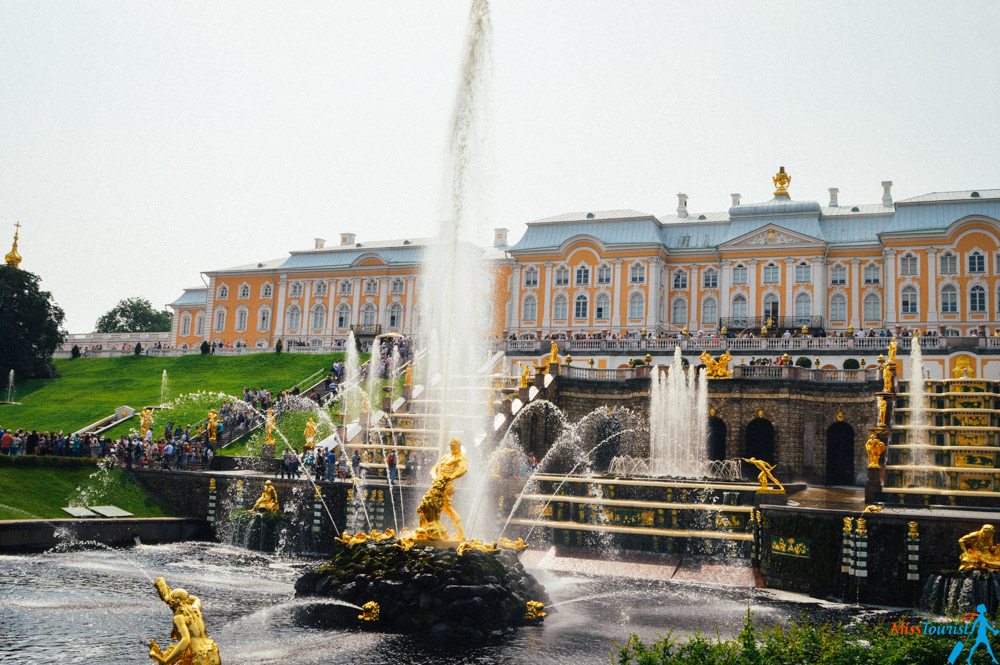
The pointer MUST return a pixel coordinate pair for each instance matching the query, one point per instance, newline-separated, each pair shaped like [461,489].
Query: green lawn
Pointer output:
[291,424]
[91,388]
[40,492]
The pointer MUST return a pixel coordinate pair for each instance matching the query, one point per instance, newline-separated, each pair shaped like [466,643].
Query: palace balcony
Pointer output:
[744,345]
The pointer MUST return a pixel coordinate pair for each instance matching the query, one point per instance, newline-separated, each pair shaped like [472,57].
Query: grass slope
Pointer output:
[91,388]
[40,492]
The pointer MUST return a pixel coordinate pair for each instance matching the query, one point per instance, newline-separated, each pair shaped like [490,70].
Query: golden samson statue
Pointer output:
[268,501]
[193,646]
[437,500]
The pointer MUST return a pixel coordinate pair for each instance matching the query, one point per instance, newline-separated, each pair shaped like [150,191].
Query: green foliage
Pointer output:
[74,352]
[32,326]
[277,346]
[137,350]
[134,315]
[802,361]
[204,348]
[35,461]
[851,363]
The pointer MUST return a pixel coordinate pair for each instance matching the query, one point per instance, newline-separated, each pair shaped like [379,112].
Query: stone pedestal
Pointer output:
[873,486]
[770,498]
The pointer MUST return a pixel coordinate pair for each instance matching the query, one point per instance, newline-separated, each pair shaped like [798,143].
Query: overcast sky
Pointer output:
[144,142]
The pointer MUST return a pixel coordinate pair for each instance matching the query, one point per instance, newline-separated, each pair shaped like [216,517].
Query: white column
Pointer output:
[409,289]
[515,313]
[932,304]
[208,323]
[278,315]
[652,311]
[617,293]
[694,315]
[789,307]
[306,318]
[357,295]
[331,306]
[819,286]
[752,281]
[856,320]
[725,278]
[546,294]
[890,288]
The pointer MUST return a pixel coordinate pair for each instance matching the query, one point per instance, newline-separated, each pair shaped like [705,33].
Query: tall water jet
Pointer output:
[374,372]
[352,374]
[921,456]
[164,388]
[10,386]
[678,420]
[455,308]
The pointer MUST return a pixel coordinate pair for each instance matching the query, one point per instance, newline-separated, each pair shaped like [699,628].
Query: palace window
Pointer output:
[872,274]
[710,280]
[241,319]
[530,309]
[739,309]
[397,285]
[321,288]
[223,292]
[580,306]
[318,317]
[740,275]
[296,289]
[838,308]
[803,273]
[949,264]
[395,315]
[680,279]
[264,319]
[977,299]
[949,300]
[604,275]
[909,302]
[838,275]
[679,312]
[343,317]
[369,314]
[266,291]
[637,274]
[293,319]
[582,276]
[199,324]
[873,307]
[346,286]
[244,291]
[771,274]
[771,306]
[220,319]
[371,286]
[977,263]
[709,311]
[531,277]
[562,276]
[636,306]
[560,309]
[602,307]
[908,265]
[185,325]
[803,309]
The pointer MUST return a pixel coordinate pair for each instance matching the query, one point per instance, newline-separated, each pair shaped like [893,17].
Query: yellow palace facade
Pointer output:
[928,262]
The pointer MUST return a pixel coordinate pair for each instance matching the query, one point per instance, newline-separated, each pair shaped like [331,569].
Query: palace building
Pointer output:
[929,262]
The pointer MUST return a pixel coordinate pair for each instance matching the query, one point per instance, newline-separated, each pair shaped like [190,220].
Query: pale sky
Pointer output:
[144,142]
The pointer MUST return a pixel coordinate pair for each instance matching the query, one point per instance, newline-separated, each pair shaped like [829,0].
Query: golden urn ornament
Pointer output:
[781,182]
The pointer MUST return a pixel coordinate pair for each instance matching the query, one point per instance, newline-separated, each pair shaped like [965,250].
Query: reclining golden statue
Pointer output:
[979,552]
[268,501]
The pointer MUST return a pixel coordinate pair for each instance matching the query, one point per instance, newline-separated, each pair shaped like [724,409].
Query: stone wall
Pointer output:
[20,536]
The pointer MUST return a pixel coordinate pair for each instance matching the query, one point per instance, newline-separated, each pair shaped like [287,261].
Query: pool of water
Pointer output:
[93,605]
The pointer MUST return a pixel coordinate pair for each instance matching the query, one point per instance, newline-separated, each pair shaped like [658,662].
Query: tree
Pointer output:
[133,315]
[30,325]
[277,346]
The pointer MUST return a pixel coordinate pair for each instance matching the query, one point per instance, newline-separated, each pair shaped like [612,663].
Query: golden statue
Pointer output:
[534,611]
[475,545]
[887,372]
[525,376]
[875,448]
[408,375]
[963,368]
[193,646]
[13,258]
[979,552]
[369,611]
[892,352]
[873,508]
[553,354]
[515,545]
[765,475]
[310,434]
[269,425]
[781,181]
[212,425]
[438,498]
[268,501]
[145,421]
[716,369]
[882,407]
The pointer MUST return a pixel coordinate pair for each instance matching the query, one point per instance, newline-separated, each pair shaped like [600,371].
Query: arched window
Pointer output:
[241,319]
[637,274]
[604,275]
[343,316]
[264,319]
[293,321]
[636,306]
[771,274]
[803,273]
[602,307]
[908,300]
[739,310]
[397,285]
[395,315]
[709,312]
[908,265]
[199,324]
[220,319]
[531,277]
[872,273]
[803,309]
[560,308]
[562,276]
[838,308]
[530,309]
[318,317]
[580,306]
[223,292]
[838,275]
[296,289]
[320,290]
[771,306]
[244,291]
[949,264]
[266,291]
[873,307]
[369,314]
[583,276]
[679,312]
[949,299]
[977,262]
[371,286]
[710,280]
[185,325]
[740,274]
[680,279]
[977,299]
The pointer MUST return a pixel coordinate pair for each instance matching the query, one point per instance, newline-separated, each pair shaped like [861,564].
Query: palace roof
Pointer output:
[195,296]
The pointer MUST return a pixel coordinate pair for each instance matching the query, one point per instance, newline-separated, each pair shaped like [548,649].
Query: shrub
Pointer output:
[278,346]
[851,363]
[804,362]
[138,349]
[205,348]
[74,352]
[33,461]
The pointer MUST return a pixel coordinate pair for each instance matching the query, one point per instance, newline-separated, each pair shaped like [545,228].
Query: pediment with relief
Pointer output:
[773,235]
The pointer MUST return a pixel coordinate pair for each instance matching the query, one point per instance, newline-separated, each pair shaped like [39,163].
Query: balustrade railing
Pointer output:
[762,345]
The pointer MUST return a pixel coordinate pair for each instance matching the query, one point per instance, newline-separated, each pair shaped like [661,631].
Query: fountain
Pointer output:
[164,390]
[678,420]
[10,387]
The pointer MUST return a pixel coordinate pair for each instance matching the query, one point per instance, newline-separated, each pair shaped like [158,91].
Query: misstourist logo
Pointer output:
[972,631]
